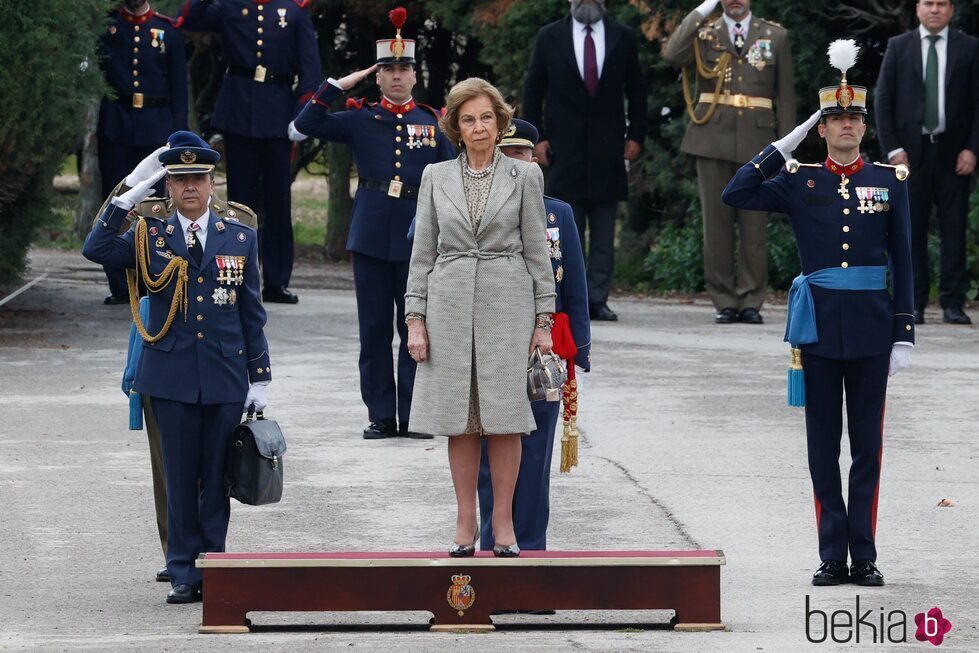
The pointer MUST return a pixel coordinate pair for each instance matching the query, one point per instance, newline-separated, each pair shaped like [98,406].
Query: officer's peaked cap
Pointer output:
[188,154]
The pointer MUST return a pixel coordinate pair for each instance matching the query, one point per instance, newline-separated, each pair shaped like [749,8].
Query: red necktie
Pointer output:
[591,63]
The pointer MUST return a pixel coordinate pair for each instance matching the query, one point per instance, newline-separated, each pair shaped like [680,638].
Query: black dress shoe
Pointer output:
[865,572]
[163,576]
[508,551]
[726,316]
[115,300]
[955,315]
[184,594]
[279,296]
[600,312]
[831,572]
[380,429]
[750,316]
[405,433]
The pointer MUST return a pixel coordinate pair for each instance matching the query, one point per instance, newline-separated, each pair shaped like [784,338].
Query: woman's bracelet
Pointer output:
[414,316]
[544,321]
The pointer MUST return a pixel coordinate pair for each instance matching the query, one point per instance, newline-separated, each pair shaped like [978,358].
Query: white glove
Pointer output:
[146,168]
[139,192]
[258,395]
[900,357]
[295,134]
[706,7]
[787,144]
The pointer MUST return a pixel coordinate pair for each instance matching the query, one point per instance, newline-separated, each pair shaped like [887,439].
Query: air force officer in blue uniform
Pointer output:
[200,369]
[143,62]
[391,142]
[531,497]
[852,227]
[273,67]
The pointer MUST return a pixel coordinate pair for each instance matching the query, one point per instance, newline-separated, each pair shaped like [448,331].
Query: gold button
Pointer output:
[135,62]
[135,73]
[397,164]
[260,18]
[241,351]
[135,50]
[397,152]
[260,42]
[846,245]
[397,177]
[258,54]
[200,318]
[136,83]
[135,39]
[200,279]
[844,264]
[136,28]
[397,139]
[260,30]
[259,370]
[907,327]
[846,211]
[846,229]
[398,127]
[200,335]
[740,112]
[268,369]
[400,115]
[200,298]
[740,78]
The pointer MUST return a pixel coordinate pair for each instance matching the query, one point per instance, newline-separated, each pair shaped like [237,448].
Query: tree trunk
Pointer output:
[89,181]
[339,204]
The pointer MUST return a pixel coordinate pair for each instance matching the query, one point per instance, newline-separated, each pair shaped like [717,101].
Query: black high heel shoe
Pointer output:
[508,551]
[465,550]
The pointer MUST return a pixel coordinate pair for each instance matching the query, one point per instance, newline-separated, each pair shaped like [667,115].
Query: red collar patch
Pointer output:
[397,108]
[130,17]
[838,169]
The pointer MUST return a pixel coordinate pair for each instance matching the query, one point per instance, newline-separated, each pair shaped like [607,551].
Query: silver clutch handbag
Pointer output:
[546,375]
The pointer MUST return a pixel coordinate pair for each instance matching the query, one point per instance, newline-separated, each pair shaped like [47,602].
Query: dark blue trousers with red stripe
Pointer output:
[863,382]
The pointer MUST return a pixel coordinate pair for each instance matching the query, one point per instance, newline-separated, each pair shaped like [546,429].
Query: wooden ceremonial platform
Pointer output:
[461,593]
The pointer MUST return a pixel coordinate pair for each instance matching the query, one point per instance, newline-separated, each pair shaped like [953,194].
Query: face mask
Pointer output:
[588,13]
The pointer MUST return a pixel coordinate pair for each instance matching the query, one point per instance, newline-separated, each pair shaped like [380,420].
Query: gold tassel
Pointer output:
[569,440]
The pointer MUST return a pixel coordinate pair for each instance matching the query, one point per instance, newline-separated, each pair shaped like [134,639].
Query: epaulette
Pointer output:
[792,166]
[355,103]
[771,22]
[234,213]
[435,112]
[901,171]
[157,208]
[173,21]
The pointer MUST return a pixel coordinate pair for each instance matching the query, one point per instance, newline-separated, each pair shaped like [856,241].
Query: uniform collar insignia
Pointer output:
[130,17]
[397,108]
[839,169]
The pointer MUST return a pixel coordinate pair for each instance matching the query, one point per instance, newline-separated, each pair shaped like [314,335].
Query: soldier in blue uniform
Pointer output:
[852,226]
[391,142]
[531,504]
[204,353]
[142,59]
[267,45]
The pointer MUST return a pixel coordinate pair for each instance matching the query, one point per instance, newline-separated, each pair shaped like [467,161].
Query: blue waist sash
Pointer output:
[800,327]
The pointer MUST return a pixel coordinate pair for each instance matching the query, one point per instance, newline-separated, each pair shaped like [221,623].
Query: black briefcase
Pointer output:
[253,469]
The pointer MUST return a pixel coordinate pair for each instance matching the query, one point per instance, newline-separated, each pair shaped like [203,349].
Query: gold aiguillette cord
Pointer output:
[176,269]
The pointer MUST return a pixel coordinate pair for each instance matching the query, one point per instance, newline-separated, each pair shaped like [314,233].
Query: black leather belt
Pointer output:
[391,188]
[933,138]
[262,74]
[140,101]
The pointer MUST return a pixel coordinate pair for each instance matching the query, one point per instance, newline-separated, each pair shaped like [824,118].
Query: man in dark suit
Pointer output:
[927,106]
[273,68]
[204,356]
[582,68]
[142,59]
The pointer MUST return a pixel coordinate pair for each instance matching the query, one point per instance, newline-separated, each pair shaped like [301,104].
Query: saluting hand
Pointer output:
[351,80]
[146,168]
[787,144]
[139,192]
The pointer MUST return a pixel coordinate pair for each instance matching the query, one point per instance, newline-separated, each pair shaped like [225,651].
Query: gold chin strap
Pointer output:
[717,72]
[177,267]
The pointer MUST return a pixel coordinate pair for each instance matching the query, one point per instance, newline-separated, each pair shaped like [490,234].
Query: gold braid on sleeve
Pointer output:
[176,270]
[718,72]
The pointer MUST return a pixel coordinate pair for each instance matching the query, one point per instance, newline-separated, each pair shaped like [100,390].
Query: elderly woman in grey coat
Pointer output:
[480,298]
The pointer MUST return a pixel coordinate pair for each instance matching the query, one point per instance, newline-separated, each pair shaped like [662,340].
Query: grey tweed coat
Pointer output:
[479,290]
